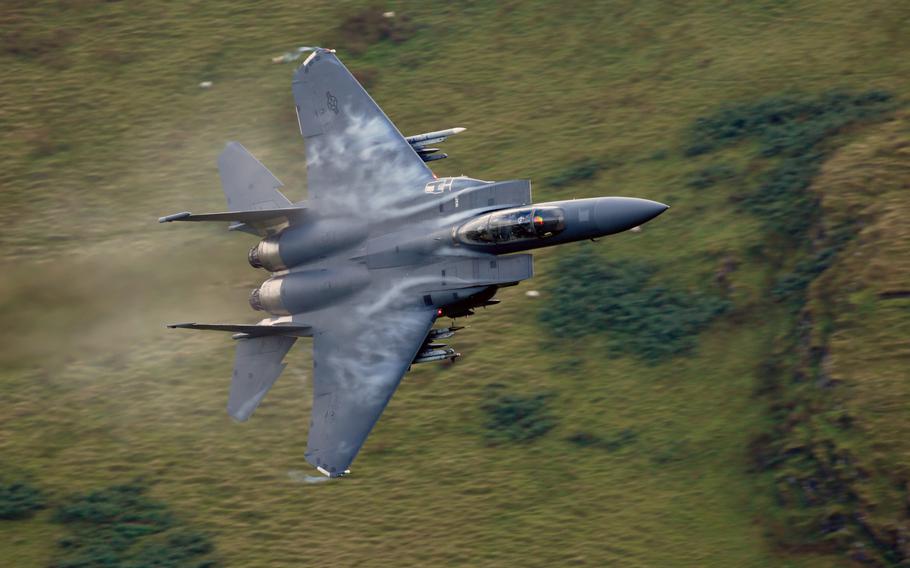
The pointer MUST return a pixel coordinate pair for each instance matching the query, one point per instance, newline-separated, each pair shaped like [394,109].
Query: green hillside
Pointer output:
[731,391]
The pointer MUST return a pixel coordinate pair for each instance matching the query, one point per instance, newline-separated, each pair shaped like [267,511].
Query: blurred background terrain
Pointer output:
[727,387]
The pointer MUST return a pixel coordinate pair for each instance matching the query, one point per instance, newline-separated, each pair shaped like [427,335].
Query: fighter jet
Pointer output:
[381,249]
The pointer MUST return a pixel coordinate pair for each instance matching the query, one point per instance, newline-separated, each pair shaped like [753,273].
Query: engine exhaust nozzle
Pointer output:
[267,297]
[255,299]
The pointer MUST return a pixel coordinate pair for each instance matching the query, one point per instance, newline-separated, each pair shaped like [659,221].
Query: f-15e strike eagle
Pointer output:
[381,249]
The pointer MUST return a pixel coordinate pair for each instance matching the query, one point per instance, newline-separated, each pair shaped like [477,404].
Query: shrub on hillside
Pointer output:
[19,501]
[371,25]
[122,526]
[613,443]
[120,504]
[641,317]
[792,129]
[784,124]
[516,418]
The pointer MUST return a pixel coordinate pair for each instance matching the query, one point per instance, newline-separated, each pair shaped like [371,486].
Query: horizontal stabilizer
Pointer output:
[254,202]
[257,365]
[250,330]
[256,218]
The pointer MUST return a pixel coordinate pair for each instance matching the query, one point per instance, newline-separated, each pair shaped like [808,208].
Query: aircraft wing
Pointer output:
[357,365]
[356,158]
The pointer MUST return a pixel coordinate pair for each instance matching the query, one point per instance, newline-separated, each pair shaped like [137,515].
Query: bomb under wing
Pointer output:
[381,249]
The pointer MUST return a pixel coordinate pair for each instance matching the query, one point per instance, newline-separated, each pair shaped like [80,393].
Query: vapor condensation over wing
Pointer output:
[357,160]
[358,363]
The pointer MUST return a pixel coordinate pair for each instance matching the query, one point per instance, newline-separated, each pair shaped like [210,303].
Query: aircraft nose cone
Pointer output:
[616,214]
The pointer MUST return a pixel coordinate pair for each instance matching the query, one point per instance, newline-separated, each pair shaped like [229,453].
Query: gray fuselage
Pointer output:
[442,247]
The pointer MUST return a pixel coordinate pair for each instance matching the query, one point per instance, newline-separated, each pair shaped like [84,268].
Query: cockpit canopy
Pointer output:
[513,225]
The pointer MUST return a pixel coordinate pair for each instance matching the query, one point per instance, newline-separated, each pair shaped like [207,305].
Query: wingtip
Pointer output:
[330,475]
[174,217]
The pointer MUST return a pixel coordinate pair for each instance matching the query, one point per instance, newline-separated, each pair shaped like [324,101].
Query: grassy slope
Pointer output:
[863,303]
[98,138]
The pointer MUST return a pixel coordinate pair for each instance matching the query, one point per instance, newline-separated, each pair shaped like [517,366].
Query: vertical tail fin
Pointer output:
[248,185]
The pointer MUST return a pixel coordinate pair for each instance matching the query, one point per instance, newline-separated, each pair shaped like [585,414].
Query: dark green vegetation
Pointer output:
[791,286]
[117,526]
[121,526]
[787,125]
[516,418]
[19,501]
[624,300]
[612,444]
[368,26]
[103,128]
[823,455]
[815,469]
[790,131]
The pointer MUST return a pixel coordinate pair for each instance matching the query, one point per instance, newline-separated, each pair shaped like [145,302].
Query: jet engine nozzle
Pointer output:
[305,243]
[253,257]
[267,298]
[266,255]
[308,290]
[255,300]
